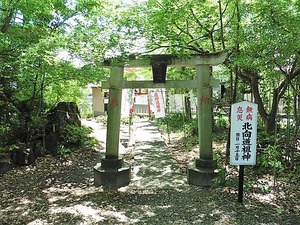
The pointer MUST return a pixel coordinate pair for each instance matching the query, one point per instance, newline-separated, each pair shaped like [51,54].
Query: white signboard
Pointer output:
[243,133]
[158,102]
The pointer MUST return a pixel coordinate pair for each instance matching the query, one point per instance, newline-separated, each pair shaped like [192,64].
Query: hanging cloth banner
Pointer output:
[159,104]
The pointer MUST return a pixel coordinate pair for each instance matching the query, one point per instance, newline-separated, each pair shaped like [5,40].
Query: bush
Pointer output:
[264,139]
[191,128]
[5,133]
[270,159]
[125,120]
[101,119]
[174,122]
[221,123]
[74,135]
[177,122]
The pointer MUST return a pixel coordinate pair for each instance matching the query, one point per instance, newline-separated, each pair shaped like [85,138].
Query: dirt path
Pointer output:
[154,166]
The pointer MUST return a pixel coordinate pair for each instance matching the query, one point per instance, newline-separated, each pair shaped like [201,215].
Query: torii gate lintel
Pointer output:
[112,171]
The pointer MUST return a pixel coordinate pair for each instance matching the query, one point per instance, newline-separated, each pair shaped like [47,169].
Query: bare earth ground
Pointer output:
[61,191]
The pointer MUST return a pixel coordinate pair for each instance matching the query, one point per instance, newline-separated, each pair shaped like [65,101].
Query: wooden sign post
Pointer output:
[243,135]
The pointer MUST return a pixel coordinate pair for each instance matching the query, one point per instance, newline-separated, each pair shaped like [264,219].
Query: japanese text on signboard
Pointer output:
[243,133]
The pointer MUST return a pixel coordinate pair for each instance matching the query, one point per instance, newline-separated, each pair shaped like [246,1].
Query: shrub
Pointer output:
[74,135]
[101,119]
[62,150]
[191,128]
[221,123]
[270,158]
[5,133]
[173,122]
[125,120]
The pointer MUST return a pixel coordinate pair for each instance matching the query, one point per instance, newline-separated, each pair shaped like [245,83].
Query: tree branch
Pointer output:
[198,21]
[6,22]
[252,78]
[221,24]
[58,24]
[188,34]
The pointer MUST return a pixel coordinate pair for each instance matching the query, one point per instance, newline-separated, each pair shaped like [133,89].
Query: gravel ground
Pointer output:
[61,191]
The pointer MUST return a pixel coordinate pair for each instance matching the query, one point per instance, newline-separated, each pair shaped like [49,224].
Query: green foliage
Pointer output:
[271,158]
[77,136]
[5,133]
[125,120]
[219,179]
[86,113]
[16,146]
[275,154]
[91,143]
[177,123]
[218,154]
[261,36]
[191,128]
[271,161]
[264,139]
[101,119]
[173,122]
[294,174]
[63,151]
[221,124]
[40,64]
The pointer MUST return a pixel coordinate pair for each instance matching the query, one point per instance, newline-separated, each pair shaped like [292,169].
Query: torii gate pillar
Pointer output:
[112,171]
[205,171]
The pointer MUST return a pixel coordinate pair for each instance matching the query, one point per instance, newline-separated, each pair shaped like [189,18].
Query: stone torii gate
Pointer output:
[112,171]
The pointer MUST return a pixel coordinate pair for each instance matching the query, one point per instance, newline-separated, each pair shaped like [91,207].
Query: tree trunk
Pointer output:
[187,106]
[270,124]
[233,97]
[233,81]
[252,78]
[6,22]
[296,109]
[268,119]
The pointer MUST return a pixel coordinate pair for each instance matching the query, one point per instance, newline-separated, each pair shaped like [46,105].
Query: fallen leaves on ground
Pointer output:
[61,191]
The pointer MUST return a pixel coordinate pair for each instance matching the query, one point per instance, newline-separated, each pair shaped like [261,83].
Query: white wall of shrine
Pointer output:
[141,102]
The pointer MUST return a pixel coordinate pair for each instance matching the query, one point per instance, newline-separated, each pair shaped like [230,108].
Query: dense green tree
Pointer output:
[269,59]
[34,73]
[49,49]
[261,36]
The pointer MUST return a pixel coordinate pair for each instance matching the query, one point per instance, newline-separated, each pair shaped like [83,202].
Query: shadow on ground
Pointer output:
[64,194]
[61,191]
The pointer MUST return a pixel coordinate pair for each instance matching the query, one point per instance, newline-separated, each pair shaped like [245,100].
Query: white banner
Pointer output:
[243,133]
[158,103]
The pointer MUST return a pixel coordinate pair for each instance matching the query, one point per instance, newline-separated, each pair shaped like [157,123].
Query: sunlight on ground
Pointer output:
[157,191]
[39,222]
[59,193]
[87,213]
[268,198]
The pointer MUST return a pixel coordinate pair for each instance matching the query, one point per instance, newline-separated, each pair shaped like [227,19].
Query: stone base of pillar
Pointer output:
[205,173]
[112,173]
